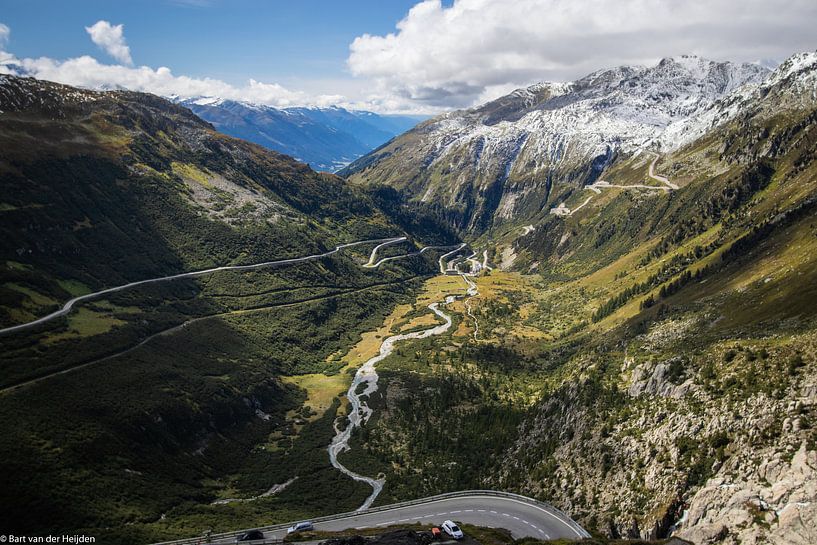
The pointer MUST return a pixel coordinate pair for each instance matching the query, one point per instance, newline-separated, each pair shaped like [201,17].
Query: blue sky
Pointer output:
[269,40]
[410,56]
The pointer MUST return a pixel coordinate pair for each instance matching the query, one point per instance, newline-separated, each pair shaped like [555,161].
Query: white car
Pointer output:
[452,529]
[305,526]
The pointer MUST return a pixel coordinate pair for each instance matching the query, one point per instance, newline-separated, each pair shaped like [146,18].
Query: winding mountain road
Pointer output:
[522,516]
[658,177]
[597,186]
[372,264]
[66,308]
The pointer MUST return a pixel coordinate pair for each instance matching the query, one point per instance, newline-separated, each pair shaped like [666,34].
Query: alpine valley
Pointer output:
[325,138]
[601,294]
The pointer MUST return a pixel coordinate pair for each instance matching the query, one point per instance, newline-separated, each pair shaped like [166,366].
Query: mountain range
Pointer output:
[325,138]
[636,345]
[667,215]
[511,157]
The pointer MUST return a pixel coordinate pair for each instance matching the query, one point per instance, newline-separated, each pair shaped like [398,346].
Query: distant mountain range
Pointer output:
[325,138]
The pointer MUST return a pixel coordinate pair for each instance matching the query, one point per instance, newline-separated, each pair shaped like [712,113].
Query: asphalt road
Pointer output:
[522,518]
[66,308]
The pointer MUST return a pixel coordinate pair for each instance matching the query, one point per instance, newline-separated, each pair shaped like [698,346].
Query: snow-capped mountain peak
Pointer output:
[520,145]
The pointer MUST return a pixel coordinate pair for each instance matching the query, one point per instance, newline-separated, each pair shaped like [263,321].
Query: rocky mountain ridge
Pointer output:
[513,158]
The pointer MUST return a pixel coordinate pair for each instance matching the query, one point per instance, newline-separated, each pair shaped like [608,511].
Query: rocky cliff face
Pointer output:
[508,159]
[690,459]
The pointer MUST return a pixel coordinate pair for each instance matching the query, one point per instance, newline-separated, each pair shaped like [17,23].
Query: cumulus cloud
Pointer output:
[88,72]
[111,38]
[478,49]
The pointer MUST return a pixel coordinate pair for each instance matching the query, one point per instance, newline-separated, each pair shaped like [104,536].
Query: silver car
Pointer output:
[304,526]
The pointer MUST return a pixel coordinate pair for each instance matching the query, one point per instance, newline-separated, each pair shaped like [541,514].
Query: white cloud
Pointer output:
[477,49]
[111,38]
[88,72]
[440,58]
[5,32]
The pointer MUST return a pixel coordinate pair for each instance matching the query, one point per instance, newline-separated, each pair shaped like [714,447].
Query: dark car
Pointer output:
[252,535]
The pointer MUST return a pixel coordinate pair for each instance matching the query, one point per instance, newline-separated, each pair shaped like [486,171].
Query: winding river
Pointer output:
[359,411]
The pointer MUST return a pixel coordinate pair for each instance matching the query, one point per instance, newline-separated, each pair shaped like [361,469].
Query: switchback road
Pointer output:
[523,517]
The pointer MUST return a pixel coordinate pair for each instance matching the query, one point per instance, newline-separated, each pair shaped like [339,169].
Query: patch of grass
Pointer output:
[191,172]
[74,287]
[84,322]
[321,390]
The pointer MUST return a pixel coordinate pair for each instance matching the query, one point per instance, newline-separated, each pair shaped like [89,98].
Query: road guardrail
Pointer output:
[326,518]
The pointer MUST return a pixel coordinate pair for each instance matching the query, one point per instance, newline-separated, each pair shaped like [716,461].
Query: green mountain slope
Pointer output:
[505,163]
[142,407]
[641,353]
[650,355]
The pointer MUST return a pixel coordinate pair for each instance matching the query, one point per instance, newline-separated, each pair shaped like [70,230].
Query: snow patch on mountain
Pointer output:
[625,108]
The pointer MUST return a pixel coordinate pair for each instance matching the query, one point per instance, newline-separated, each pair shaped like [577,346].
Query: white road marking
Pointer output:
[455,512]
[511,500]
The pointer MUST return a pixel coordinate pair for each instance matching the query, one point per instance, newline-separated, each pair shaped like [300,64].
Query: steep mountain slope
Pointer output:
[326,138]
[138,409]
[648,363]
[509,159]
[698,389]
[188,186]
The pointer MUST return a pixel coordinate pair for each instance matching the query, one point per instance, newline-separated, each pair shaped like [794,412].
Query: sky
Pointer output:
[389,56]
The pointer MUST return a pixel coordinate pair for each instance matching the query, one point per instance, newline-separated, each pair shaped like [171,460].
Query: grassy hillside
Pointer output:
[140,409]
[650,354]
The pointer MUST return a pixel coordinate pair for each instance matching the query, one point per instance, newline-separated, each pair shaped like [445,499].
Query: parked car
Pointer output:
[252,535]
[452,529]
[436,533]
[304,526]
